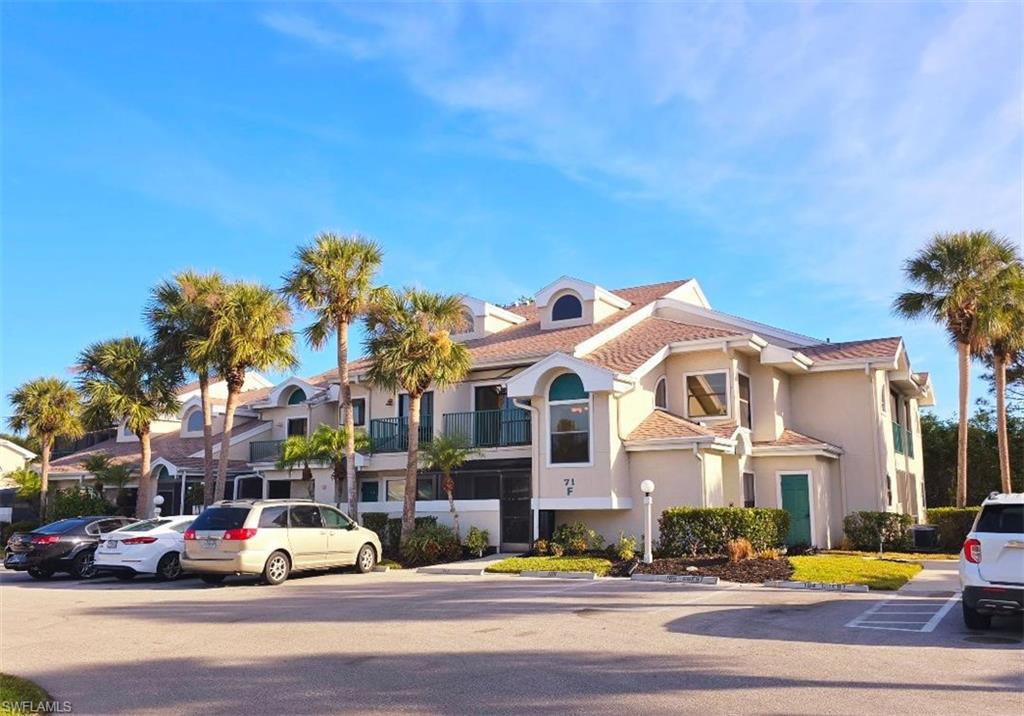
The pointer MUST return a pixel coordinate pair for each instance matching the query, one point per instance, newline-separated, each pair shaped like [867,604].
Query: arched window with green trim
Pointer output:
[569,414]
[297,396]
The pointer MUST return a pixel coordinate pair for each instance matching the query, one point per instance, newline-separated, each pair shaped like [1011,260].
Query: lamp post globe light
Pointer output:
[647,487]
[157,501]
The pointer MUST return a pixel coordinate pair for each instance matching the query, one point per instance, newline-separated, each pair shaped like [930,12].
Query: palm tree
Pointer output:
[180,314]
[250,331]
[953,273]
[444,454]
[298,451]
[28,481]
[333,278]
[118,476]
[330,445]
[97,465]
[1002,322]
[127,380]
[410,347]
[47,408]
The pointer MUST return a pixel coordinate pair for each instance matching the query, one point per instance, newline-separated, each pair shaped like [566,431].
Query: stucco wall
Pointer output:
[826,514]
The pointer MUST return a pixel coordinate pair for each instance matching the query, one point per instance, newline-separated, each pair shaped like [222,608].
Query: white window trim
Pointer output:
[483,384]
[288,422]
[663,380]
[184,423]
[728,395]
[810,494]
[590,426]
[567,322]
[366,418]
[750,401]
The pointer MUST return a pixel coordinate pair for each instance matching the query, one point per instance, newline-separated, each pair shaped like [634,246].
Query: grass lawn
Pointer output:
[14,689]
[911,556]
[515,565]
[852,569]
[389,563]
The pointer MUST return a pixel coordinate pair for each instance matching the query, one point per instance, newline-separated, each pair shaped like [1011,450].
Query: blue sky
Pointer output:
[788,156]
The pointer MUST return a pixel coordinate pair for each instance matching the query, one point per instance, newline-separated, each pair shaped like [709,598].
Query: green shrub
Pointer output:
[389,529]
[376,521]
[555,549]
[689,531]
[540,547]
[952,525]
[577,538]
[878,530]
[7,529]
[431,544]
[76,501]
[625,547]
[477,540]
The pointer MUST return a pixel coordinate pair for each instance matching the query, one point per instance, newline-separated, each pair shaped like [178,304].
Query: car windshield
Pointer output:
[60,526]
[221,518]
[1001,519]
[145,525]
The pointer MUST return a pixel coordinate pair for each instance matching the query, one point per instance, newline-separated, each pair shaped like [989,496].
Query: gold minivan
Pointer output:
[272,538]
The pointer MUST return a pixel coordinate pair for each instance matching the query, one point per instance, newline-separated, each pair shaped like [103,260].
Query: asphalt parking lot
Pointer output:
[406,642]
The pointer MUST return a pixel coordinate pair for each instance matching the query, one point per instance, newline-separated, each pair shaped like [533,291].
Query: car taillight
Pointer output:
[190,534]
[139,540]
[46,539]
[972,551]
[239,534]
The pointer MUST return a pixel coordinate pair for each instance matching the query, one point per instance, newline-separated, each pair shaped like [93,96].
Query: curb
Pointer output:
[471,571]
[817,586]
[674,578]
[559,575]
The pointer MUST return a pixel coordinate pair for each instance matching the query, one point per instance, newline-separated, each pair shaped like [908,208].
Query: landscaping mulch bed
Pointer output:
[748,570]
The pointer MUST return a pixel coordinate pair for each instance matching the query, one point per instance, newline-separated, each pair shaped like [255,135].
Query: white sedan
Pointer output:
[147,547]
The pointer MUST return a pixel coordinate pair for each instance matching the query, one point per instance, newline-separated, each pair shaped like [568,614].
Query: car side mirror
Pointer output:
[352,526]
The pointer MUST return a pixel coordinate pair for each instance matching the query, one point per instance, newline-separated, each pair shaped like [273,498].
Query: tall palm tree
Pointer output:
[953,272]
[180,314]
[128,380]
[333,278]
[444,454]
[331,444]
[410,347]
[250,331]
[1002,322]
[46,408]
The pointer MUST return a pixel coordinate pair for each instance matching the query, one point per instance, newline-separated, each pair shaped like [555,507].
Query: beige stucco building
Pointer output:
[577,397]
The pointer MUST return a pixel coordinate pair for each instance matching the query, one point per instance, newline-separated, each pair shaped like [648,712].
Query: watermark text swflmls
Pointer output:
[37,707]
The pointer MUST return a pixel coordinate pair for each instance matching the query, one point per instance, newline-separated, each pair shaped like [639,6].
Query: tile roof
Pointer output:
[661,424]
[170,446]
[791,438]
[853,350]
[628,351]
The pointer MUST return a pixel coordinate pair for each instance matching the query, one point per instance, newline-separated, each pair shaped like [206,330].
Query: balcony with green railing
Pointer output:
[897,437]
[490,428]
[392,434]
[265,450]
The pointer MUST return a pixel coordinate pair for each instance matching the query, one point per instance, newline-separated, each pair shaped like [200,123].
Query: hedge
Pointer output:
[430,543]
[868,530]
[389,529]
[952,525]
[689,531]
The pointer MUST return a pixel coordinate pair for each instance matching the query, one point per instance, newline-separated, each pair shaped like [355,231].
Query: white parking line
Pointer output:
[916,616]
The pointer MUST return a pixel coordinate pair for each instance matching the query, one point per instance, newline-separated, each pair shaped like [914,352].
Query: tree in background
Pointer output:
[46,409]
[446,453]
[29,482]
[954,275]
[96,465]
[331,446]
[333,278]
[251,331]
[180,314]
[410,349]
[125,380]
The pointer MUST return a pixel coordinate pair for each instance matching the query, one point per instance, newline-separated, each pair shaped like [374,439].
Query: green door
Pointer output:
[796,501]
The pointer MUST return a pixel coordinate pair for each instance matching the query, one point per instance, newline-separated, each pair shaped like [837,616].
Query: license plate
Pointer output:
[112,544]
[209,543]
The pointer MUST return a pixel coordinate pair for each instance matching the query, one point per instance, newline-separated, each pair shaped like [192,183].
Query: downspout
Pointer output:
[534,464]
[703,478]
[880,462]
[181,503]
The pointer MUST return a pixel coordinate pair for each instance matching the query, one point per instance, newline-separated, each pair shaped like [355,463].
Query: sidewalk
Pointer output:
[938,579]
[466,566]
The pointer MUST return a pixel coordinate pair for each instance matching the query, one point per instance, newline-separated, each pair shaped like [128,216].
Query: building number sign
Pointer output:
[570,485]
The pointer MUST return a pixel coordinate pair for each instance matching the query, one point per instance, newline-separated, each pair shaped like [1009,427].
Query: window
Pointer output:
[359,411]
[395,490]
[477,487]
[221,518]
[145,525]
[569,410]
[425,489]
[1001,519]
[127,432]
[746,416]
[194,423]
[748,489]
[274,516]
[661,394]
[296,426]
[334,520]
[566,307]
[305,516]
[369,491]
[706,395]
[426,413]
[297,396]
[279,489]
[888,490]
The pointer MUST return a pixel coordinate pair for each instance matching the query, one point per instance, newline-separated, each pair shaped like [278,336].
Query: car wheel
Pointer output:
[40,573]
[84,565]
[125,576]
[277,568]
[973,619]
[212,578]
[367,559]
[169,567]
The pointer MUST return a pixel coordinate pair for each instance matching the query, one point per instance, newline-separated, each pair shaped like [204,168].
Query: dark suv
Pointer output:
[62,546]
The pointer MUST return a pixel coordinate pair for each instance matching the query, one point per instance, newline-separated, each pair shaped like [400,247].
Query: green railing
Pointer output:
[908,444]
[265,450]
[490,428]
[392,434]
[897,437]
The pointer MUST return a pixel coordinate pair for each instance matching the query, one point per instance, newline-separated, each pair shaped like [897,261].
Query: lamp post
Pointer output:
[647,487]
[157,501]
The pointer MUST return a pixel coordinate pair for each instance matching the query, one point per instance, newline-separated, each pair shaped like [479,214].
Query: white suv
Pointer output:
[992,561]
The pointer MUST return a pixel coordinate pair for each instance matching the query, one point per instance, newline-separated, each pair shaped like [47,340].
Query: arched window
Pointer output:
[660,394]
[566,307]
[194,422]
[160,472]
[297,396]
[569,413]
